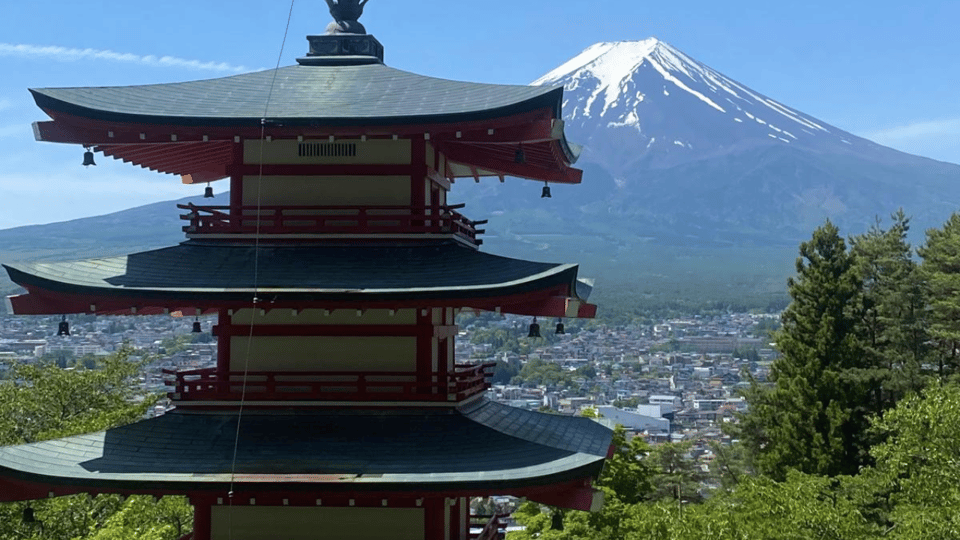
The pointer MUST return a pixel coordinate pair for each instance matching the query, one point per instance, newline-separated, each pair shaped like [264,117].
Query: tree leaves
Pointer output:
[43,401]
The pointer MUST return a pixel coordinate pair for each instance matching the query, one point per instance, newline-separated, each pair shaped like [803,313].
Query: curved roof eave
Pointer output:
[371,94]
[433,450]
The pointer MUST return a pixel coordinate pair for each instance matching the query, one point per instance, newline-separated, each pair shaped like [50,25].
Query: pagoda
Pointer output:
[336,408]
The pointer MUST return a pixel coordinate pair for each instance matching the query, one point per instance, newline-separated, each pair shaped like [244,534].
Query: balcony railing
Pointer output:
[492,526]
[329,220]
[213,385]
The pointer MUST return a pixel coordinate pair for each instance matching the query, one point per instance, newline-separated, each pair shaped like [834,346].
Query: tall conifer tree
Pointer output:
[892,315]
[813,417]
[941,272]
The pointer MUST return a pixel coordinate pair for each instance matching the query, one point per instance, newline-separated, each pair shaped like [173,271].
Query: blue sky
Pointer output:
[883,70]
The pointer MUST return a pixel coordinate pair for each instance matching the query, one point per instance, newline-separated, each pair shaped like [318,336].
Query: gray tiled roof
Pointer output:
[325,271]
[489,444]
[346,94]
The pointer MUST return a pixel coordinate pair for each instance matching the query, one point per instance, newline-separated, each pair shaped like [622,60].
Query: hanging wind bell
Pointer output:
[208,192]
[534,329]
[560,330]
[196,326]
[88,158]
[63,329]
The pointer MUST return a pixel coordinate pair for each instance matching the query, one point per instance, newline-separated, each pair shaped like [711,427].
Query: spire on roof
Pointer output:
[345,14]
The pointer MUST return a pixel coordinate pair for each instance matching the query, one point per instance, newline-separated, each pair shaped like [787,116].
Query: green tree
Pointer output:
[538,371]
[40,402]
[917,464]
[625,481]
[813,418]
[892,314]
[941,272]
[676,476]
[803,507]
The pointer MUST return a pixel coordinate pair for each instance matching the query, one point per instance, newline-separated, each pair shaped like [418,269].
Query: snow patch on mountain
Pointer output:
[613,83]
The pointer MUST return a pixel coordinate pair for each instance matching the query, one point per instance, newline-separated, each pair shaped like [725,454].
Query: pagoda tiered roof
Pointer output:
[329,95]
[208,274]
[480,447]
[185,128]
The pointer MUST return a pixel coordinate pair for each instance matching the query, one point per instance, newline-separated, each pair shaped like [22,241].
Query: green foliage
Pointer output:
[627,473]
[42,402]
[917,464]
[892,314]
[676,476]
[813,418]
[542,372]
[856,438]
[625,481]
[142,518]
[105,517]
[802,507]
[941,271]
[512,340]
[505,371]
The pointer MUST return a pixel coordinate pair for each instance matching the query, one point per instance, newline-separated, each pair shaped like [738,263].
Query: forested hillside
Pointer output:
[856,434]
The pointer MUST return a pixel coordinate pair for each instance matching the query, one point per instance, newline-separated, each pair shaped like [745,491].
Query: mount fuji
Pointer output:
[648,95]
[683,163]
[696,187]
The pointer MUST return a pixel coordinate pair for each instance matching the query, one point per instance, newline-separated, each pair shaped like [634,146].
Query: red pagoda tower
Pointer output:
[336,408]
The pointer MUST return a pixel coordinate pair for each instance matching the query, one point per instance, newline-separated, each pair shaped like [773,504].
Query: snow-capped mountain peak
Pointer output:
[608,61]
[673,101]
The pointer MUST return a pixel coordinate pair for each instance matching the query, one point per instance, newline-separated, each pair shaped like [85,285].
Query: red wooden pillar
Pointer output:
[459,518]
[418,177]
[236,182]
[435,526]
[201,518]
[425,370]
[224,337]
[418,172]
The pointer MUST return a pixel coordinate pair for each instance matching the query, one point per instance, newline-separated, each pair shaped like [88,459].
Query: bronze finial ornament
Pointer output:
[345,14]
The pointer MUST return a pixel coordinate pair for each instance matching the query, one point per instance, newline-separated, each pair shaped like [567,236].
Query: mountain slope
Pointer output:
[693,177]
[695,187]
[669,108]
[678,152]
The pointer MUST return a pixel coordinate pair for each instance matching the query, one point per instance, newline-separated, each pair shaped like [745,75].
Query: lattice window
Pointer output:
[312,149]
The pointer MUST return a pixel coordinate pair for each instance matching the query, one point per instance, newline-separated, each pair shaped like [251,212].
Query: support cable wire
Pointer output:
[256,273]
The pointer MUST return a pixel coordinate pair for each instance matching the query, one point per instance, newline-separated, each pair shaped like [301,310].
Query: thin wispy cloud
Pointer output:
[917,130]
[66,54]
[5,104]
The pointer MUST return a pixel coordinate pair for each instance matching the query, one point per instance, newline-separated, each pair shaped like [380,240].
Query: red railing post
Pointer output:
[329,219]
[213,384]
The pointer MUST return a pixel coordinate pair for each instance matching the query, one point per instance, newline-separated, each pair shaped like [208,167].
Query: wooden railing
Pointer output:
[213,385]
[329,220]
[491,530]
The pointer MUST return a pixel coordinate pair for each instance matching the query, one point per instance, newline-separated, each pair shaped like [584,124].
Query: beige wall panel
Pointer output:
[316,316]
[320,353]
[371,152]
[326,190]
[307,523]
